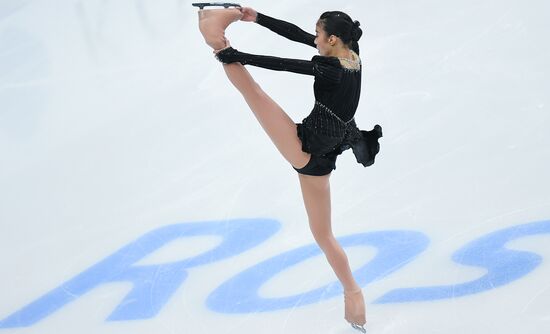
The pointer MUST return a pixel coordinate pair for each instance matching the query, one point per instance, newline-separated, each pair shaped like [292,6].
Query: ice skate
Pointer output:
[355,309]
[201,5]
[212,25]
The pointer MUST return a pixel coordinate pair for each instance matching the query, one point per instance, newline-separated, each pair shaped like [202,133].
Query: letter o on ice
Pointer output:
[239,294]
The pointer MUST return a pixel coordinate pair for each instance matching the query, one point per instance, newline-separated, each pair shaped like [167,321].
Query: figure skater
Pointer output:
[311,147]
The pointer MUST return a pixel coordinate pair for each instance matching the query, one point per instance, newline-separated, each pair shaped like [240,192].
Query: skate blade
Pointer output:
[359,328]
[201,5]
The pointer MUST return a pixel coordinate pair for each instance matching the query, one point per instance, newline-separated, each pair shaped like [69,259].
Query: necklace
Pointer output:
[355,63]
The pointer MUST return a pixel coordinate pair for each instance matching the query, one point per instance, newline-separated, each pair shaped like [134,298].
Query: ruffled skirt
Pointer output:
[364,144]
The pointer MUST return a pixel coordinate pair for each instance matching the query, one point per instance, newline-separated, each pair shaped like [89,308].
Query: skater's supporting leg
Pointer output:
[316,195]
[273,119]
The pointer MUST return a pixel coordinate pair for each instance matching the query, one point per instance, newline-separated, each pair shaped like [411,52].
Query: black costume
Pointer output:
[330,128]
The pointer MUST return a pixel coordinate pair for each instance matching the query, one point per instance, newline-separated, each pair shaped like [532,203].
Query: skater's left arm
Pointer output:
[283,28]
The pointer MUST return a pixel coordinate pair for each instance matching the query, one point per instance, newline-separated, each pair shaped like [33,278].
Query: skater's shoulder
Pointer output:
[327,68]
[326,60]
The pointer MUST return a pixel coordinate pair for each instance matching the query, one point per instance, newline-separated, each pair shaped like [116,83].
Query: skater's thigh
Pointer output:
[316,195]
[278,126]
[282,131]
[273,119]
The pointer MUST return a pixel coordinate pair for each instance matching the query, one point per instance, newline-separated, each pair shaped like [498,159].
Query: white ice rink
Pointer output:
[138,193]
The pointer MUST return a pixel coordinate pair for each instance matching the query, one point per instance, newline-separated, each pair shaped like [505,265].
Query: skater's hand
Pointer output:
[229,55]
[249,14]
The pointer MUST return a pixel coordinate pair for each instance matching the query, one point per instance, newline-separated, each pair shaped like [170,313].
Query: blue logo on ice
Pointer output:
[153,285]
[489,252]
[240,293]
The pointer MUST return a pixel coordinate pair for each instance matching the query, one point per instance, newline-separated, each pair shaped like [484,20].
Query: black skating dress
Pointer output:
[330,128]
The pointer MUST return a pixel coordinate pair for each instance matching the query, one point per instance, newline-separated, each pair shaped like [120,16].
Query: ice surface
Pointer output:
[138,193]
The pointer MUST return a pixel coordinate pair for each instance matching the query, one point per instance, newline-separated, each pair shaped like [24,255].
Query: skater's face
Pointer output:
[321,39]
[325,44]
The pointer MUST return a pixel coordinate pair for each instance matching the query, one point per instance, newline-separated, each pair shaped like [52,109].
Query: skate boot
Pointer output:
[212,25]
[355,309]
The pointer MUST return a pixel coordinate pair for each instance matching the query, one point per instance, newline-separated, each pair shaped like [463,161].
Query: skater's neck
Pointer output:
[342,53]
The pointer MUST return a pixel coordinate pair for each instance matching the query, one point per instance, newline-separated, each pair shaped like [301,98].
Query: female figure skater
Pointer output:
[311,147]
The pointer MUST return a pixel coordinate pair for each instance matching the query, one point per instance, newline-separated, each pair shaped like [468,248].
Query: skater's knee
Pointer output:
[325,240]
[322,233]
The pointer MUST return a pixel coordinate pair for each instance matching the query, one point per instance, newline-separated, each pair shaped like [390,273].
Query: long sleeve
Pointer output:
[324,68]
[286,29]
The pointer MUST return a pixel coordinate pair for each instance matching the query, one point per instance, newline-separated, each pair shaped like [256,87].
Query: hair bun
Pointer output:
[356,32]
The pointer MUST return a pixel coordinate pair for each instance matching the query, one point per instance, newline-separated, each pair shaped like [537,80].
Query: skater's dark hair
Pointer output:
[341,25]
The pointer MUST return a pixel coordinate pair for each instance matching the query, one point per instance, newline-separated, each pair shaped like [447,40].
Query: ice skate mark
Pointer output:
[537,295]
[456,51]
[490,220]
[86,30]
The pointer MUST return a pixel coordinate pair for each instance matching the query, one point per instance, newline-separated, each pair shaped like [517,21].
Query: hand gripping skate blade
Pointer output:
[201,5]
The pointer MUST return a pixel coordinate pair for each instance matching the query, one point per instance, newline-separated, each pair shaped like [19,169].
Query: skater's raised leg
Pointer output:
[280,128]
[276,123]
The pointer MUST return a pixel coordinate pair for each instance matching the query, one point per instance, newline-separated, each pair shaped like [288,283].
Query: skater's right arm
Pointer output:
[326,70]
[280,27]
